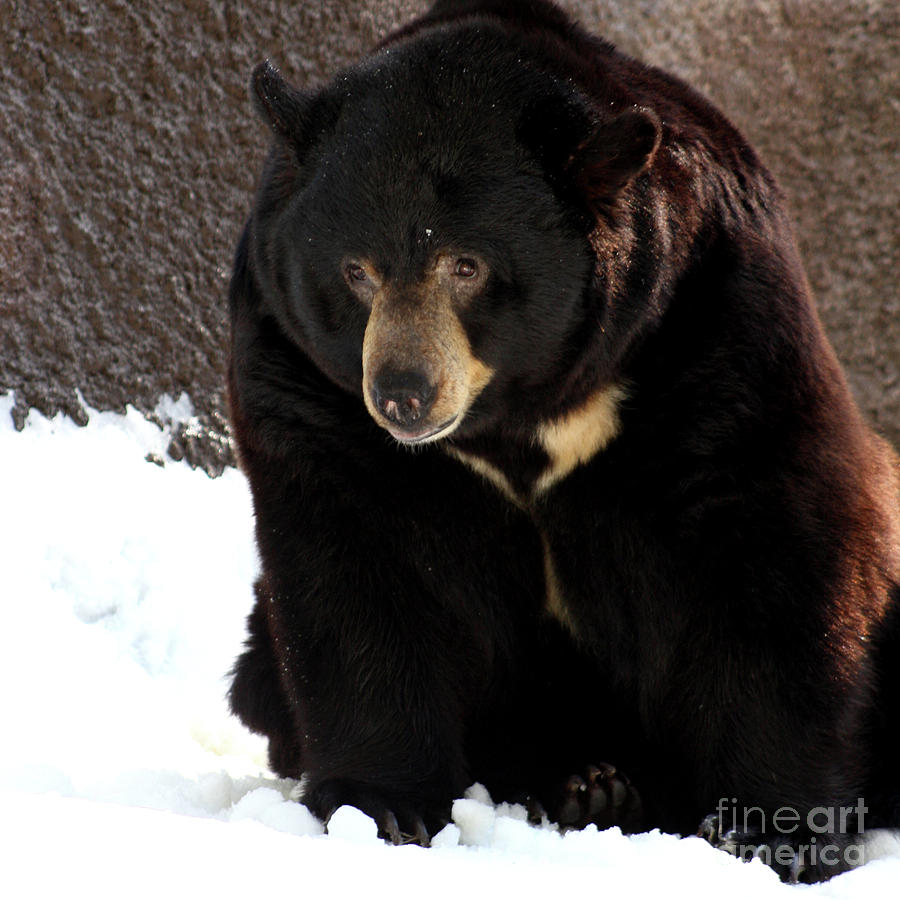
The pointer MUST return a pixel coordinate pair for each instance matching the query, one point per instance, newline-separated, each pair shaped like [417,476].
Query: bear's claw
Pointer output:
[603,797]
[399,820]
[389,830]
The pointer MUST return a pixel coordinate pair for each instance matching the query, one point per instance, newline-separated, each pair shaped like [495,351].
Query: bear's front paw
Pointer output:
[797,858]
[778,853]
[399,820]
[603,797]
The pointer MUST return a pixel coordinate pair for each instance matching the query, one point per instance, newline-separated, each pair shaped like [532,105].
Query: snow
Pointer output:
[126,585]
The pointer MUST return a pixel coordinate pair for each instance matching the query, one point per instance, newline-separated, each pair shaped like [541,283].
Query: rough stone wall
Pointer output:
[129,153]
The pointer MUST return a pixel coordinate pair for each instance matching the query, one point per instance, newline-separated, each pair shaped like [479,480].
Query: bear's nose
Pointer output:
[403,397]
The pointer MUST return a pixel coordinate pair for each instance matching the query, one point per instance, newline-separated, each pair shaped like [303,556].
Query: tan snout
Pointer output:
[419,373]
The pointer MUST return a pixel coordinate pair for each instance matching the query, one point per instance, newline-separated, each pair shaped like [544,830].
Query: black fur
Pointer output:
[728,563]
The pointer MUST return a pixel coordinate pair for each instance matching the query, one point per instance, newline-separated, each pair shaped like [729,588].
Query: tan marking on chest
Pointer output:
[580,435]
[490,473]
[554,602]
[568,441]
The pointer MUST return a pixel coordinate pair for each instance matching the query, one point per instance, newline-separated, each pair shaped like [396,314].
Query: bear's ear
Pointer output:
[283,107]
[612,156]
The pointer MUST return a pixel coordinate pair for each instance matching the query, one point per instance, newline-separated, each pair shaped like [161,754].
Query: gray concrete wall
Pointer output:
[128,156]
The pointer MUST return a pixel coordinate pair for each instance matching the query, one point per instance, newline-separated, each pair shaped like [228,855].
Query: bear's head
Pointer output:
[422,230]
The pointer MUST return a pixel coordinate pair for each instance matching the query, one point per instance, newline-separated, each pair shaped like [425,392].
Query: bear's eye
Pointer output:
[356,273]
[466,268]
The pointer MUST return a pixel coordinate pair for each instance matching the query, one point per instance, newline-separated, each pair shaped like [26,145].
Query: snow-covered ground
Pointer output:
[125,586]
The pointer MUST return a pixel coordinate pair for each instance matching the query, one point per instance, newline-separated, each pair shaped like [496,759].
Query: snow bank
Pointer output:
[125,587]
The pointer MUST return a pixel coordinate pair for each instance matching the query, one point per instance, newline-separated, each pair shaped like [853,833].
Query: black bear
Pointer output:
[554,469]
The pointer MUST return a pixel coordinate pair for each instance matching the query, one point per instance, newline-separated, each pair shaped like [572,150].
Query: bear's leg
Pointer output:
[375,707]
[390,605]
[787,776]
